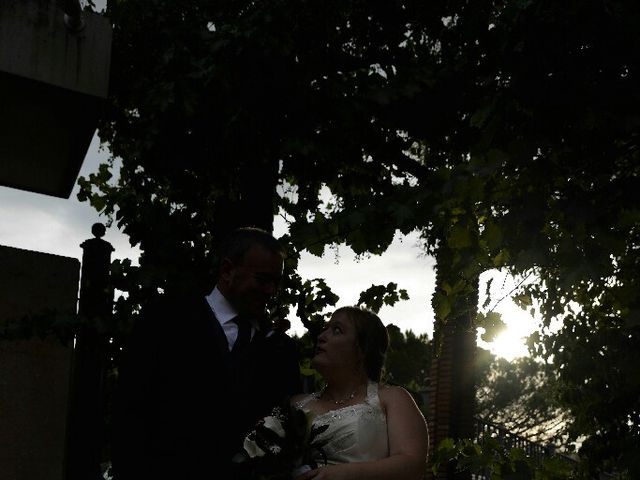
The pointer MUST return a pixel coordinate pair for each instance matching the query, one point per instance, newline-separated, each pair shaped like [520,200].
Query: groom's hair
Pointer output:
[373,339]
[238,242]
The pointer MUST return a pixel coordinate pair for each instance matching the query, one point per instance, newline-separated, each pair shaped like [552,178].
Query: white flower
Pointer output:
[275,449]
[275,425]
[252,448]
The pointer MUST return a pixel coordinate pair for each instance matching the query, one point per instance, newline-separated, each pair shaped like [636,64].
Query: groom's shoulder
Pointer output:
[280,341]
[164,310]
[173,301]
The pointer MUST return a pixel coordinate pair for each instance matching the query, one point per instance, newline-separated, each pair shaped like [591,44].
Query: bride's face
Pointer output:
[337,345]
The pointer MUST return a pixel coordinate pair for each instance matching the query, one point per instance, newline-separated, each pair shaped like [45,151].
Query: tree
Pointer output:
[521,396]
[563,117]
[213,105]
[408,361]
[544,148]
[505,131]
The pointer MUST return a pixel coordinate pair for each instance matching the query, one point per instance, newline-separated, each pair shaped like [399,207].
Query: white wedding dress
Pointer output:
[356,433]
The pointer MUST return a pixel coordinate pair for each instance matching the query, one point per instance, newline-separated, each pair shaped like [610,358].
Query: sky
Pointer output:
[53,225]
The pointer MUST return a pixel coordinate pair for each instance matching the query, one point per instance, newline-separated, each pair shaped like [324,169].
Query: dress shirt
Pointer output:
[225,313]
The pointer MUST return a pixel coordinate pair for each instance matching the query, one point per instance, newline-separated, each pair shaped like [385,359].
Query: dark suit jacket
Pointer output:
[183,406]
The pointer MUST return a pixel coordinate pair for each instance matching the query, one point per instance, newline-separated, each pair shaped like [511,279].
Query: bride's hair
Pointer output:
[373,339]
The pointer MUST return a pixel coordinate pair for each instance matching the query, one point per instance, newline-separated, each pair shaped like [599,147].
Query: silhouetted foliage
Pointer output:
[506,132]
[408,361]
[521,395]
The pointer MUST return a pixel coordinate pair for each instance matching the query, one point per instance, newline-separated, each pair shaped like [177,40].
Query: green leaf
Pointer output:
[492,323]
[377,295]
[523,300]
[492,235]
[99,202]
[447,444]
[501,259]
[442,307]
[487,293]
[459,237]
[497,156]
[479,118]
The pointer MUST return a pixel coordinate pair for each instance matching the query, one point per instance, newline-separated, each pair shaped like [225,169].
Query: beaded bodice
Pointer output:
[356,433]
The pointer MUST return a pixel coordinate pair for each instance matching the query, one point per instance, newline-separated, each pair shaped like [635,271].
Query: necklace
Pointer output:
[339,401]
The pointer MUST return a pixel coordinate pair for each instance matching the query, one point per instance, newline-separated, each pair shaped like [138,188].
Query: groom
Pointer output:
[200,371]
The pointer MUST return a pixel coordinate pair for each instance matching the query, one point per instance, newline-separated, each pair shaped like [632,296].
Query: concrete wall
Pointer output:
[34,374]
[53,82]
[35,44]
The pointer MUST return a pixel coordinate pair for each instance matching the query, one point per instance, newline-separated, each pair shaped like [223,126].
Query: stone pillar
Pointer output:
[451,390]
[451,393]
[85,427]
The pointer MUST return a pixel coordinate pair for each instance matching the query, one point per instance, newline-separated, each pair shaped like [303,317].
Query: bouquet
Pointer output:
[282,446]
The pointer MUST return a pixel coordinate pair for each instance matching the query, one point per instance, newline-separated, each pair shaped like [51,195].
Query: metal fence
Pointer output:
[511,440]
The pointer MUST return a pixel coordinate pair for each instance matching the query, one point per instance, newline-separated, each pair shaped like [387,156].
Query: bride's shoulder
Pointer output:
[394,395]
[388,389]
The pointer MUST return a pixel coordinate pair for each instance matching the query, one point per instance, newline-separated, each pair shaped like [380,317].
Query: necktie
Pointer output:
[244,334]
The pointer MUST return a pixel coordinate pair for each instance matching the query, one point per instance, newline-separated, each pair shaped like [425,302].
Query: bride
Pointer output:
[374,431]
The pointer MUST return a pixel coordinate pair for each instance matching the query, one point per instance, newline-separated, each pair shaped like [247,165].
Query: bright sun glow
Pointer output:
[509,344]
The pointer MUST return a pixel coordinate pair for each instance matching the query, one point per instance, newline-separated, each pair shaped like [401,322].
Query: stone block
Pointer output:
[34,373]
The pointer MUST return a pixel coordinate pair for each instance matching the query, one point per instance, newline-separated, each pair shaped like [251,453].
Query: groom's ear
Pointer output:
[226,271]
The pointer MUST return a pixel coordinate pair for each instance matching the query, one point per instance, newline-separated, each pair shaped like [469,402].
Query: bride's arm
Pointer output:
[408,443]
[407,432]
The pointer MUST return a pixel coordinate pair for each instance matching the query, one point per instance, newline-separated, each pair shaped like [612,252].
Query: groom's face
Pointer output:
[252,281]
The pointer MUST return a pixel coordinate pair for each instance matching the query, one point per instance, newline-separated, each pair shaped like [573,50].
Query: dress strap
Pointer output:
[372,393]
